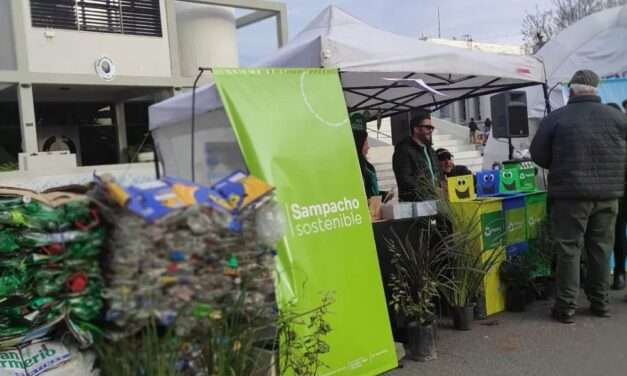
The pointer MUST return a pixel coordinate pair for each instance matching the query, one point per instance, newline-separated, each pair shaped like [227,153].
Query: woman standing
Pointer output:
[368,172]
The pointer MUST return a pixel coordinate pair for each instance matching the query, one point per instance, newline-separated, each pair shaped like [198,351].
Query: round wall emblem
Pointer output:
[105,68]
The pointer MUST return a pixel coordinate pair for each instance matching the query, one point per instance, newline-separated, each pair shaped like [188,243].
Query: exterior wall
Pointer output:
[125,174]
[485,107]
[75,52]
[7,41]
[207,37]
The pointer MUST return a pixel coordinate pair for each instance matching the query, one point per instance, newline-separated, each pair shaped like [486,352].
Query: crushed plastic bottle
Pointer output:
[49,266]
[271,224]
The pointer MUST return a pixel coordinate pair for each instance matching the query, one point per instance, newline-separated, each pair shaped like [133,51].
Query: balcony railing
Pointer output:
[133,17]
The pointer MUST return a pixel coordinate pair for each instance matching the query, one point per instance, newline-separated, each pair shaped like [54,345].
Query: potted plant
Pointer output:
[541,258]
[466,263]
[414,283]
[515,273]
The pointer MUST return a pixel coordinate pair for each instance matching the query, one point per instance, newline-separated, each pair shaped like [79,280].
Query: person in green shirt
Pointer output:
[368,172]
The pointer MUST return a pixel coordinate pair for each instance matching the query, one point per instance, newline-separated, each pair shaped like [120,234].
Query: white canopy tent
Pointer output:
[381,72]
[597,42]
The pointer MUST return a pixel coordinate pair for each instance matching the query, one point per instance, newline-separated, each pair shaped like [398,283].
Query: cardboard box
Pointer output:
[425,208]
[397,210]
[488,183]
[461,188]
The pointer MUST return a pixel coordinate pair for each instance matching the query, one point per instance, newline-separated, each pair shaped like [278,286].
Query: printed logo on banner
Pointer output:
[326,216]
[535,215]
[312,108]
[515,221]
[493,227]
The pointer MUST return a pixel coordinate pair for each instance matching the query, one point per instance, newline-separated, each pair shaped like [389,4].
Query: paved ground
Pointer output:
[529,343]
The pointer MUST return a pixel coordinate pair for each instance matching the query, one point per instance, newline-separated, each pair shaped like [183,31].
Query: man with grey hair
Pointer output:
[583,145]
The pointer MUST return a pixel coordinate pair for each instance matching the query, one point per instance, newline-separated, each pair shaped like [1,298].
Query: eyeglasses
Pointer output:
[428,127]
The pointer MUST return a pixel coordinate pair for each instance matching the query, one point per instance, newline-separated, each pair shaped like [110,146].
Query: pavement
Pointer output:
[530,343]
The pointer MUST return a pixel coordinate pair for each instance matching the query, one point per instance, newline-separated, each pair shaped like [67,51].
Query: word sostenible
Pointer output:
[325,216]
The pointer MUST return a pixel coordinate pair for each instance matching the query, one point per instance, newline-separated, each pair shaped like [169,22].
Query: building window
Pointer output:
[133,17]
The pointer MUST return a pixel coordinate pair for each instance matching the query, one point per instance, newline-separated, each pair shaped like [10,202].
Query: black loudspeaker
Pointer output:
[400,127]
[509,115]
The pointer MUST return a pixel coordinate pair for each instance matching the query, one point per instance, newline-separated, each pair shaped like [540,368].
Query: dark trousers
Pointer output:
[582,226]
[619,242]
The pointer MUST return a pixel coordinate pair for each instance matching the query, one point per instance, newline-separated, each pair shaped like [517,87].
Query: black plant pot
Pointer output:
[545,287]
[516,299]
[421,342]
[462,317]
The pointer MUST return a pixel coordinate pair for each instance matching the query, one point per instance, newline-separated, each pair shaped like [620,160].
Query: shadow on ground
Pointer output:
[530,343]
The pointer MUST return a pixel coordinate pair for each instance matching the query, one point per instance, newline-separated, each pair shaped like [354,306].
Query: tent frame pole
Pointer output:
[547,101]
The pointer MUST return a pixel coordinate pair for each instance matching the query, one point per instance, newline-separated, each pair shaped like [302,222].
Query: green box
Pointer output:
[518,177]
[509,179]
[527,176]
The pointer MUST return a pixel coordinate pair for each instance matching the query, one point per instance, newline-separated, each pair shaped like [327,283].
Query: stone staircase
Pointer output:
[446,135]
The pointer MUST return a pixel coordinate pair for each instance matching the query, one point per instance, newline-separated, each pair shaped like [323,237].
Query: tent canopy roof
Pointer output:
[368,58]
[597,42]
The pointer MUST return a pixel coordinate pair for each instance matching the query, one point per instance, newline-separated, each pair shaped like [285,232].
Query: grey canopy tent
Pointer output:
[597,42]
[381,72]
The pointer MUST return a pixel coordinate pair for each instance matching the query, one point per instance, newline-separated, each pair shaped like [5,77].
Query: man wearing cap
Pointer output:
[448,167]
[415,163]
[584,147]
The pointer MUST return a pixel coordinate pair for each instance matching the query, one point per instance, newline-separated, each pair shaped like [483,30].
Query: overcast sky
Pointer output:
[485,20]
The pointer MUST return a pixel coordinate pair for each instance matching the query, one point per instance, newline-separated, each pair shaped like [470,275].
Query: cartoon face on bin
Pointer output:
[487,183]
[461,188]
[509,180]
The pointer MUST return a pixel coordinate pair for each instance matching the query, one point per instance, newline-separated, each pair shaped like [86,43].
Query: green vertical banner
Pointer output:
[293,129]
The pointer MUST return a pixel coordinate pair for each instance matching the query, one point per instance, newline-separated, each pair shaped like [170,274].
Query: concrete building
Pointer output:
[76,77]
[478,108]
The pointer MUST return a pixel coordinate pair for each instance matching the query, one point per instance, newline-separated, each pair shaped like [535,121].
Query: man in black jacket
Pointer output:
[583,145]
[415,163]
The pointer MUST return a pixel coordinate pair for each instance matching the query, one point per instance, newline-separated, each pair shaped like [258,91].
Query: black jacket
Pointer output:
[416,171]
[584,146]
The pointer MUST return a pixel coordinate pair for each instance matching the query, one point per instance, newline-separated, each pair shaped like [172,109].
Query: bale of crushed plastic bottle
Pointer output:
[49,268]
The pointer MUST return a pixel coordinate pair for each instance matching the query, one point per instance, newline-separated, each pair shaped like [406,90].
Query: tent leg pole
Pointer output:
[547,102]
[156,160]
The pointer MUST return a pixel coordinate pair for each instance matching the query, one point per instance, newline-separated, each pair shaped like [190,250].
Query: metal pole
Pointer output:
[156,158]
[439,29]
[547,101]
[201,71]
